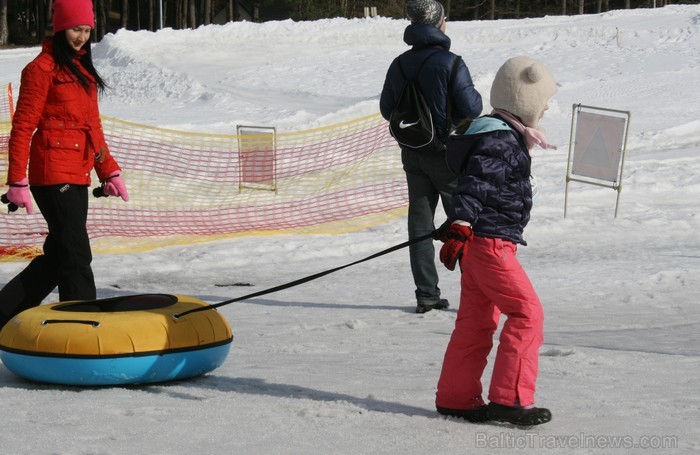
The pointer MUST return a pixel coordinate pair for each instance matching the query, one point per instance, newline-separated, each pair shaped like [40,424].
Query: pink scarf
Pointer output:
[532,136]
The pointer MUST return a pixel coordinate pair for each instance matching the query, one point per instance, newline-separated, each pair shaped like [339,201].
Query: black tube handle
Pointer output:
[11,206]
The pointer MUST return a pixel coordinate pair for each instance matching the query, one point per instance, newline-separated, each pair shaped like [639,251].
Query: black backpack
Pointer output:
[411,122]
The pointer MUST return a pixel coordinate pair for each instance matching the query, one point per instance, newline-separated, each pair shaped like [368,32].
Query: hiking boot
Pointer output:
[426,305]
[518,415]
[477,414]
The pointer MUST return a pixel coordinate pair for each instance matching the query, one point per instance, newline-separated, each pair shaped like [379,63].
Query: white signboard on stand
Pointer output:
[597,148]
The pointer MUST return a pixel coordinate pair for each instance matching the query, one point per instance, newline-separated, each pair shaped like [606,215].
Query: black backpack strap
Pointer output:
[448,112]
[453,73]
[403,73]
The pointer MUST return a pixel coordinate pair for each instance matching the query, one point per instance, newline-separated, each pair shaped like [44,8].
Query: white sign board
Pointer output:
[598,146]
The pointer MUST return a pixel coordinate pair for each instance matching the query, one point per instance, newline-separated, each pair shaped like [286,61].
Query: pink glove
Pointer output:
[18,194]
[114,186]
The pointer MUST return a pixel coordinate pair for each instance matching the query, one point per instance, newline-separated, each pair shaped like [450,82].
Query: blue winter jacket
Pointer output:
[493,188]
[433,80]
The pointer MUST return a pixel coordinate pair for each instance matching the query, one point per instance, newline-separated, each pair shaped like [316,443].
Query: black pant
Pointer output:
[67,255]
[429,180]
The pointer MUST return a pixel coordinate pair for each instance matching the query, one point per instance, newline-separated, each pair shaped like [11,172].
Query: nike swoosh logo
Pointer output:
[403,125]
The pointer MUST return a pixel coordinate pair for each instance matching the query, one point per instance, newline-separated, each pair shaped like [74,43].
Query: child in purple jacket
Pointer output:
[488,212]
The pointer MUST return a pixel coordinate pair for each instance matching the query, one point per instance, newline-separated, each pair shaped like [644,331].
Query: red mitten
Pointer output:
[457,239]
[114,186]
[19,195]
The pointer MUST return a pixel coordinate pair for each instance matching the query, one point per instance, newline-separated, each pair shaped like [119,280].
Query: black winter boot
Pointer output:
[425,305]
[477,414]
[518,415]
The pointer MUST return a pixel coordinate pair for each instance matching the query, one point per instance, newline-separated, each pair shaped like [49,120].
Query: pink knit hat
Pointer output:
[71,13]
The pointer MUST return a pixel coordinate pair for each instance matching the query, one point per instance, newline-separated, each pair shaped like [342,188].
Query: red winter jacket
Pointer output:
[56,128]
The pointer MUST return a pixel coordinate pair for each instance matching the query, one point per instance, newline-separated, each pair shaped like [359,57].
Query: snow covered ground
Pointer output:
[342,364]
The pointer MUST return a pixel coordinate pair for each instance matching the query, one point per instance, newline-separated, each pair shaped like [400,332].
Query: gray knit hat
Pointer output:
[425,12]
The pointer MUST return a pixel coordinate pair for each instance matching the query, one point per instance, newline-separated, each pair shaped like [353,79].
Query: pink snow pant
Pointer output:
[493,282]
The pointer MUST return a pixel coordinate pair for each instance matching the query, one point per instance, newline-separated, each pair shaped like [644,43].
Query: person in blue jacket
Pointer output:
[427,175]
[489,211]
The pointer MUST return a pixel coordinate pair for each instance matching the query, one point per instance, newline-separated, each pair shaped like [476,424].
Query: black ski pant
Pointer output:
[67,255]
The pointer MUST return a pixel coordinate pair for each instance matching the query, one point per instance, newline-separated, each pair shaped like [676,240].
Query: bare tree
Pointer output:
[181,14]
[152,15]
[125,14]
[43,12]
[191,14]
[137,7]
[230,10]
[477,4]
[206,17]
[100,20]
[4,33]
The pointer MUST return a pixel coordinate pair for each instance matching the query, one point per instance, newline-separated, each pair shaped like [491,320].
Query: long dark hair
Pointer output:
[63,54]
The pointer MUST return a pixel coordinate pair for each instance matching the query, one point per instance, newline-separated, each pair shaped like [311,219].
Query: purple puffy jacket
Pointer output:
[493,190]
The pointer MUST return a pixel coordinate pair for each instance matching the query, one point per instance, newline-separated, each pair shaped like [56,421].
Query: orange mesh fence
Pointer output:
[192,187]
[6,110]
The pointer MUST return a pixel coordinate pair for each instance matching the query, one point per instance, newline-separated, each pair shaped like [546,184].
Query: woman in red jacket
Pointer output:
[57,135]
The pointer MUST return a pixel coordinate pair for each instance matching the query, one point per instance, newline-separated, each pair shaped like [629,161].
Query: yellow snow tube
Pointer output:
[121,340]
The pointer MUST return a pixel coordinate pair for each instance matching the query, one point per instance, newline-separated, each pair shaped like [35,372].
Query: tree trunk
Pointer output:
[4,33]
[151,15]
[100,20]
[41,19]
[563,7]
[181,14]
[206,19]
[192,13]
[229,10]
[492,12]
[125,14]
[581,5]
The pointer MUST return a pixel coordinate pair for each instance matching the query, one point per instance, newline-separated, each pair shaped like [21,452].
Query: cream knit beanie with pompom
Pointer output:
[523,86]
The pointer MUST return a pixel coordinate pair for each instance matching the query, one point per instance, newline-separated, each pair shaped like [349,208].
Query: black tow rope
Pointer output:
[306,279]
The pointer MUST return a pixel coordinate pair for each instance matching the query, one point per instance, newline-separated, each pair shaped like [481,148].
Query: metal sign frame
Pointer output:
[577,169]
[255,135]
